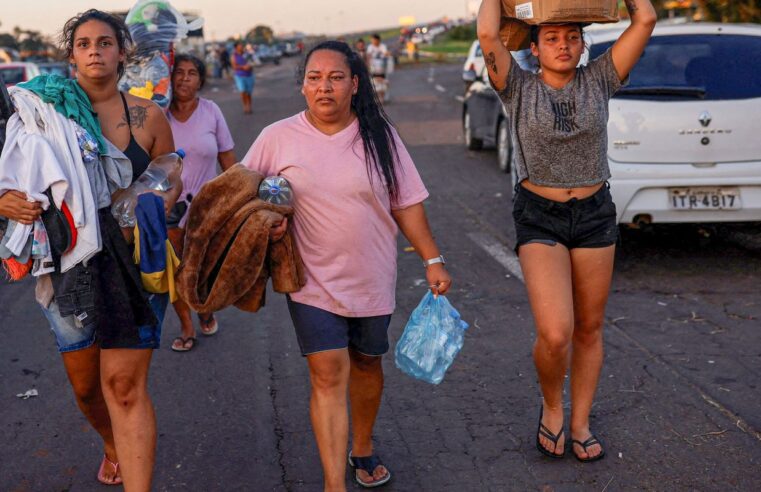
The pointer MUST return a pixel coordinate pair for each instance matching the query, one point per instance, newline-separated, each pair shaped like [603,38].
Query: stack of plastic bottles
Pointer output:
[431,340]
[154,25]
[155,177]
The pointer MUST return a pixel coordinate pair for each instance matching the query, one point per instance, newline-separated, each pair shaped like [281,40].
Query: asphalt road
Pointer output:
[678,407]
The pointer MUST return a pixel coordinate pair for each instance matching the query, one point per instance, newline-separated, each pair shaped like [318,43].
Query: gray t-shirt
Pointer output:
[560,136]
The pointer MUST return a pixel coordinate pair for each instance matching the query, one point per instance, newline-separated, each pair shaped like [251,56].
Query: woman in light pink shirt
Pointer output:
[354,187]
[200,129]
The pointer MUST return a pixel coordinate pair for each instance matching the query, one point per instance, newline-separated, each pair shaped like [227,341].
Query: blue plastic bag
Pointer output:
[431,340]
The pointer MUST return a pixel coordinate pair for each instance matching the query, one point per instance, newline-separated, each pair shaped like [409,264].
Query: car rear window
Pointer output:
[695,66]
[12,75]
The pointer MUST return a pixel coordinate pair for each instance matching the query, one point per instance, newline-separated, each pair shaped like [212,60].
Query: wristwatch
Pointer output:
[438,259]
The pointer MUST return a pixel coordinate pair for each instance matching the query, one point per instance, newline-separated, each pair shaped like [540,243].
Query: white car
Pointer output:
[474,63]
[685,134]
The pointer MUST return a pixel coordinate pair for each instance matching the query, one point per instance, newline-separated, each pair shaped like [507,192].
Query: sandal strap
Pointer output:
[591,441]
[366,463]
[114,465]
[546,432]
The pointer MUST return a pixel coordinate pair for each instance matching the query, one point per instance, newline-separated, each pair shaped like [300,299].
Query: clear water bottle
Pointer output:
[155,177]
[431,340]
[276,190]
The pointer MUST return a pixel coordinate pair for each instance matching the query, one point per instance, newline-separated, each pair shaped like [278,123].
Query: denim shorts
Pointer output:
[318,330]
[586,223]
[244,84]
[70,335]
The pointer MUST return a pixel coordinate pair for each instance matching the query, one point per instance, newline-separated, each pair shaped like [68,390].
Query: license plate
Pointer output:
[705,198]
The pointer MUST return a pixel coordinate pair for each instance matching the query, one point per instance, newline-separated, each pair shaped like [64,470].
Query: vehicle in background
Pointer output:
[484,120]
[682,135]
[474,64]
[683,142]
[55,68]
[16,72]
[288,48]
[267,53]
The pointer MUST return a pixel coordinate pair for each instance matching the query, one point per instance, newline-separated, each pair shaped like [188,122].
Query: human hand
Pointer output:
[277,231]
[438,278]
[168,204]
[15,206]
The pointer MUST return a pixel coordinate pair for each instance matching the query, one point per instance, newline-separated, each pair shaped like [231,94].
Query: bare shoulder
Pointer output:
[144,114]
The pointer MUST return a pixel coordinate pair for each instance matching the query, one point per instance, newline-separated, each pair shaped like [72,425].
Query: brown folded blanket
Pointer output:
[227,257]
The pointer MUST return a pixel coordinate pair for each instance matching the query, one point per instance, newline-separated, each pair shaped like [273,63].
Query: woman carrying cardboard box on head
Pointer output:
[565,219]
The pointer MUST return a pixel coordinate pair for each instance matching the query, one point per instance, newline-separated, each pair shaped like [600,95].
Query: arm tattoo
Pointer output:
[491,62]
[631,6]
[137,116]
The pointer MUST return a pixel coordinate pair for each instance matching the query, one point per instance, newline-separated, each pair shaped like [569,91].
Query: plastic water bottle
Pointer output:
[431,340]
[155,177]
[276,190]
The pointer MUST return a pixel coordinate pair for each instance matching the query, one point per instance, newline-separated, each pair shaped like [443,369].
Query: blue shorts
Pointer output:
[318,330]
[71,336]
[244,83]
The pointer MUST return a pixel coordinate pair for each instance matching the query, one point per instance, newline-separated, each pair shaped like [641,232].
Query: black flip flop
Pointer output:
[544,431]
[589,442]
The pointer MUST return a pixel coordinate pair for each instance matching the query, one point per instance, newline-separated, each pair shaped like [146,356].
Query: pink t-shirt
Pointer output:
[342,223]
[202,137]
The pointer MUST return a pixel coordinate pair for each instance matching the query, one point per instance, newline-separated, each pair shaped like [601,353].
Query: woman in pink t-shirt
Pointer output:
[200,129]
[354,186]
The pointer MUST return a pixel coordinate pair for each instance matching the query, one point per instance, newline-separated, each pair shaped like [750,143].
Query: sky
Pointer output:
[230,17]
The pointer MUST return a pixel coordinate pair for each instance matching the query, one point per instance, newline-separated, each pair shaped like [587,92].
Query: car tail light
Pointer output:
[472,67]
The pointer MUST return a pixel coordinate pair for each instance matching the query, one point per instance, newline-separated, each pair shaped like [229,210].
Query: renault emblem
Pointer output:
[705,118]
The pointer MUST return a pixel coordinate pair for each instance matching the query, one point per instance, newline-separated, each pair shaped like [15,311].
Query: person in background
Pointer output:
[243,73]
[224,61]
[361,48]
[565,218]
[377,57]
[350,174]
[107,362]
[212,61]
[199,128]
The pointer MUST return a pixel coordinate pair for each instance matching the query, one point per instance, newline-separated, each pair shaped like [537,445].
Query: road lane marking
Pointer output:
[459,98]
[440,88]
[499,252]
[431,73]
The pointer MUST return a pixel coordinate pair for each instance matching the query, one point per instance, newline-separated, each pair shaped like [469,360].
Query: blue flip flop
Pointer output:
[368,464]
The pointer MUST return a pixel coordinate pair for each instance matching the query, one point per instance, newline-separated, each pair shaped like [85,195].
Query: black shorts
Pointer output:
[587,223]
[318,330]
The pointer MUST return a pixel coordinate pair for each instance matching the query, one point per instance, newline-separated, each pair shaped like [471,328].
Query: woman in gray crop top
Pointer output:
[565,219]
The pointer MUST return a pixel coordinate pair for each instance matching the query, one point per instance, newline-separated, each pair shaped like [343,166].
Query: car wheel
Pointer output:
[504,146]
[470,142]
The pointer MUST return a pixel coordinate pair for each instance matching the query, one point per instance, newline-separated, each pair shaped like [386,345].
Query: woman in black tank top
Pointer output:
[108,366]
[134,152]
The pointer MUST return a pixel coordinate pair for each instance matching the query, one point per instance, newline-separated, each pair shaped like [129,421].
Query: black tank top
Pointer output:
[134,152]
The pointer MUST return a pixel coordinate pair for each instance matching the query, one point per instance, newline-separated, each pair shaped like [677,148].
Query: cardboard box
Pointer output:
[561,11]
[519,15]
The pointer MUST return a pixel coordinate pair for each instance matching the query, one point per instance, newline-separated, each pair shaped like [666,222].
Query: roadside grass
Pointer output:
[449,46]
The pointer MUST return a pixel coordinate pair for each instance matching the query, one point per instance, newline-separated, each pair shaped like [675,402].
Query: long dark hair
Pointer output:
[375,127]
[123,37]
